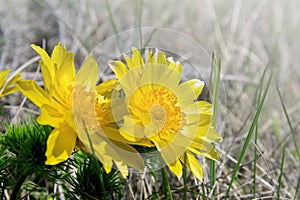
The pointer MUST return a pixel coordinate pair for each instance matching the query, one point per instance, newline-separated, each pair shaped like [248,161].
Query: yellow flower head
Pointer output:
[7,85]
[78,110]
[163,112]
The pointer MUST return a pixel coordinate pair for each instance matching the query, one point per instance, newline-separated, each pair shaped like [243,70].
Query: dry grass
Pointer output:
[249,35]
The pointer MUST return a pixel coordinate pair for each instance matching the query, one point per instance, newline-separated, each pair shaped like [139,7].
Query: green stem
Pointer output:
[102,183]
[250,133]
[216,86]
[37,184]
[166,185]
[17,189]
[293,132]
[184,180]
[113,23]
[297,189]
[281,173]
[255,159]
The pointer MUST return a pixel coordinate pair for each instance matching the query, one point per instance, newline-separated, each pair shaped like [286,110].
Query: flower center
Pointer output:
[158,115]
[159,111]
[91,107]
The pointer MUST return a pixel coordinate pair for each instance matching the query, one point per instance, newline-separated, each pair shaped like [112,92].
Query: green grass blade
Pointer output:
[111,17]
[290,124]
[217,68]
[250,133]
[297,189]
[256,136]
[166,185]
[185,190]
[113,23]
[216,86]
[102,184]
[281,173]
[255,160]
[138,20]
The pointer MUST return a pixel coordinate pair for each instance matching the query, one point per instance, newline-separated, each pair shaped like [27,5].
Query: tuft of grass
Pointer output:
[24,156]
[90,178]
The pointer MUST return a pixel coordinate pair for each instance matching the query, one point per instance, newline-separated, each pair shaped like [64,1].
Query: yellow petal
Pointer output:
[8,88]
[176,168]
[160,58]
[65,74]
[106,86]
[125,153]
[44,55]
[119,68]
[14,80]
[58,54]
[187,93]
[150,58]
[100,153]
[3,77]
[137,58]
[34,92]
[213,154]
[47,67]
[88,73]
[107,168]
[204,148]
[214,136]
[192,164]
[123,169]
[169,151]
[106,151]
[157,75]
[112,132]
[50,116]
[131,131]
[60,145]
[175,66]
[199,120]
[199,107]
[8,91]
[129,62]
[196,85]
[105,89]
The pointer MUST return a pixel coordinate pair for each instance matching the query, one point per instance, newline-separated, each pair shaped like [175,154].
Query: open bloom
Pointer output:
[7,86]
[78,110]
[163,112]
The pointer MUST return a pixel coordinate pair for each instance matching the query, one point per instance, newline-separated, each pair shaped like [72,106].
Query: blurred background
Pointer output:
[248,35]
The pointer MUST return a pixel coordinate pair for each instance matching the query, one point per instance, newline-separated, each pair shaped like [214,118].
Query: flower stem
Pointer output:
[166,185]
[184,180]
[102,183]
[216,85]
[16,191]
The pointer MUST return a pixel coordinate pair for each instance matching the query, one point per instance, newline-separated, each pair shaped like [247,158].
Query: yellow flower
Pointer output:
[163,112]
[7,85]
[73,104]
